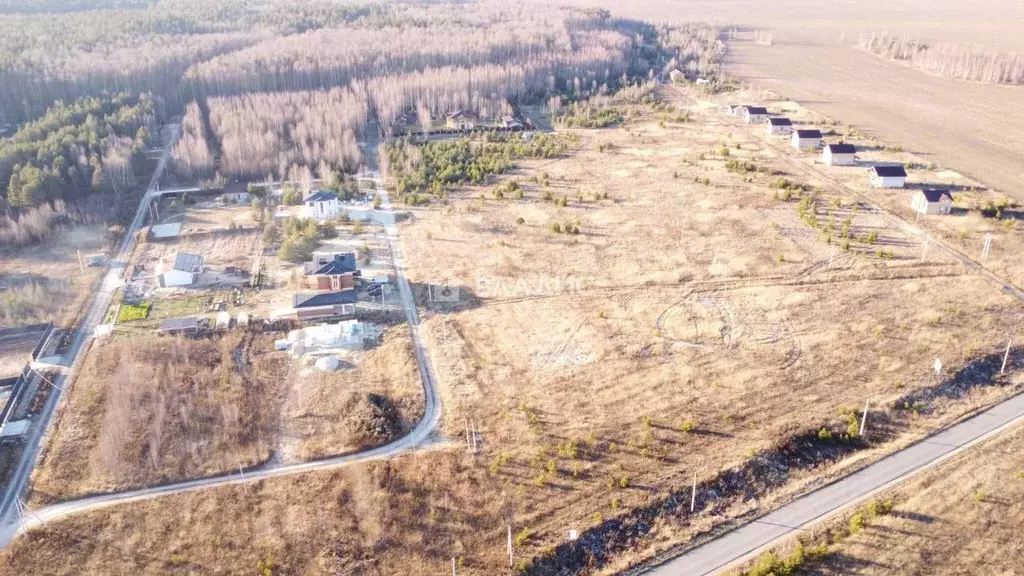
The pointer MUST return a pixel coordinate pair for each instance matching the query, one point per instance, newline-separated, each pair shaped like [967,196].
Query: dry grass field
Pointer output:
[696,323]
[150,410]
[147,410]
[379,519]
[965,228]
[624,341]
[377,399]
[961,518]
[45,283]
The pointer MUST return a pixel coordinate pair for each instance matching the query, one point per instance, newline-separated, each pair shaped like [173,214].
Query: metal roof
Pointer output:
[780,122]
[318,299]
[188,262]
[807,133]
[177,324]
[322,196]
[889,171]
[841,148]
[756,110]
[340,264]
[933,195]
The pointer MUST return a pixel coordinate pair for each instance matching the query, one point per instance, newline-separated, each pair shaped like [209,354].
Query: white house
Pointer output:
[179,270]
[754,114]
[932,201]
[736,109]
[803,139]
[322,205]
[839,155]
[461,120]
[887,176]
[779,127]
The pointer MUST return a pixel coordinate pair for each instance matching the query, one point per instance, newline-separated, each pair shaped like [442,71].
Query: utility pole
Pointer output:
[924,251]
[474,437]
[453,566]
[1006,356]
[831,257]
[469,443]
[988,246]
[864,418]
[714,266]
[509,545]
[80,265]
[693,494]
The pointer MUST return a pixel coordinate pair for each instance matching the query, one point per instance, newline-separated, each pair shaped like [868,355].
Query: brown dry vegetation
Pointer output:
[598,399]
[148,410]
[378,399]
[615,339]
[43,283]
[961,518]
[381,519]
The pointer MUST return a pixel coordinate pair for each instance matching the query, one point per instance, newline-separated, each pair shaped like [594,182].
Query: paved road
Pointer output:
[420,437]
[72,358]
[745,542]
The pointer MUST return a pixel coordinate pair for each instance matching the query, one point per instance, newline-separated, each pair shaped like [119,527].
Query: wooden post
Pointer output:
[864,418]
[468,441]
[509,545]
[1006,356]
[924,251]
[693,494]
[453,566]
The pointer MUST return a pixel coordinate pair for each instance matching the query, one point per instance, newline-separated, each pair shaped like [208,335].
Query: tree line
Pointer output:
[88,145]
[950,60]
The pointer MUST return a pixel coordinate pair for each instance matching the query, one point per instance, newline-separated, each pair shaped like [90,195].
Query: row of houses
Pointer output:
[925,202]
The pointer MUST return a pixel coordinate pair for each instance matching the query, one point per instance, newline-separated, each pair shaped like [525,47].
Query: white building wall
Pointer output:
[323,210]
[838,159]
[173,278]
[888,181]
[805,142]
[779,130]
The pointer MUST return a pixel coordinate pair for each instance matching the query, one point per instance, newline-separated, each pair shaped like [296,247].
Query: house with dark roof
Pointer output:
[932,201]
[779,126]
[510,123]
[839,155]
[735,109]
[887,176]
[322,205]
[311,305]
[461,120]
[754,114]
[331,271]
[804,139]
[181,269]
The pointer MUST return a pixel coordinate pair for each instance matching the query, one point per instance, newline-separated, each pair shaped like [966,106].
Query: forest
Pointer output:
[265,89]
[950,60]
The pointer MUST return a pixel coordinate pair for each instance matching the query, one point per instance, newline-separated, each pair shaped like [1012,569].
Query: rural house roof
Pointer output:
[322,196]
[889,171]
[179,324]
[340,264]
[188,262]
[933,195]
[808,133]
[318,299]
[754,110]
[841,148]
[461,114]
[780,122]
